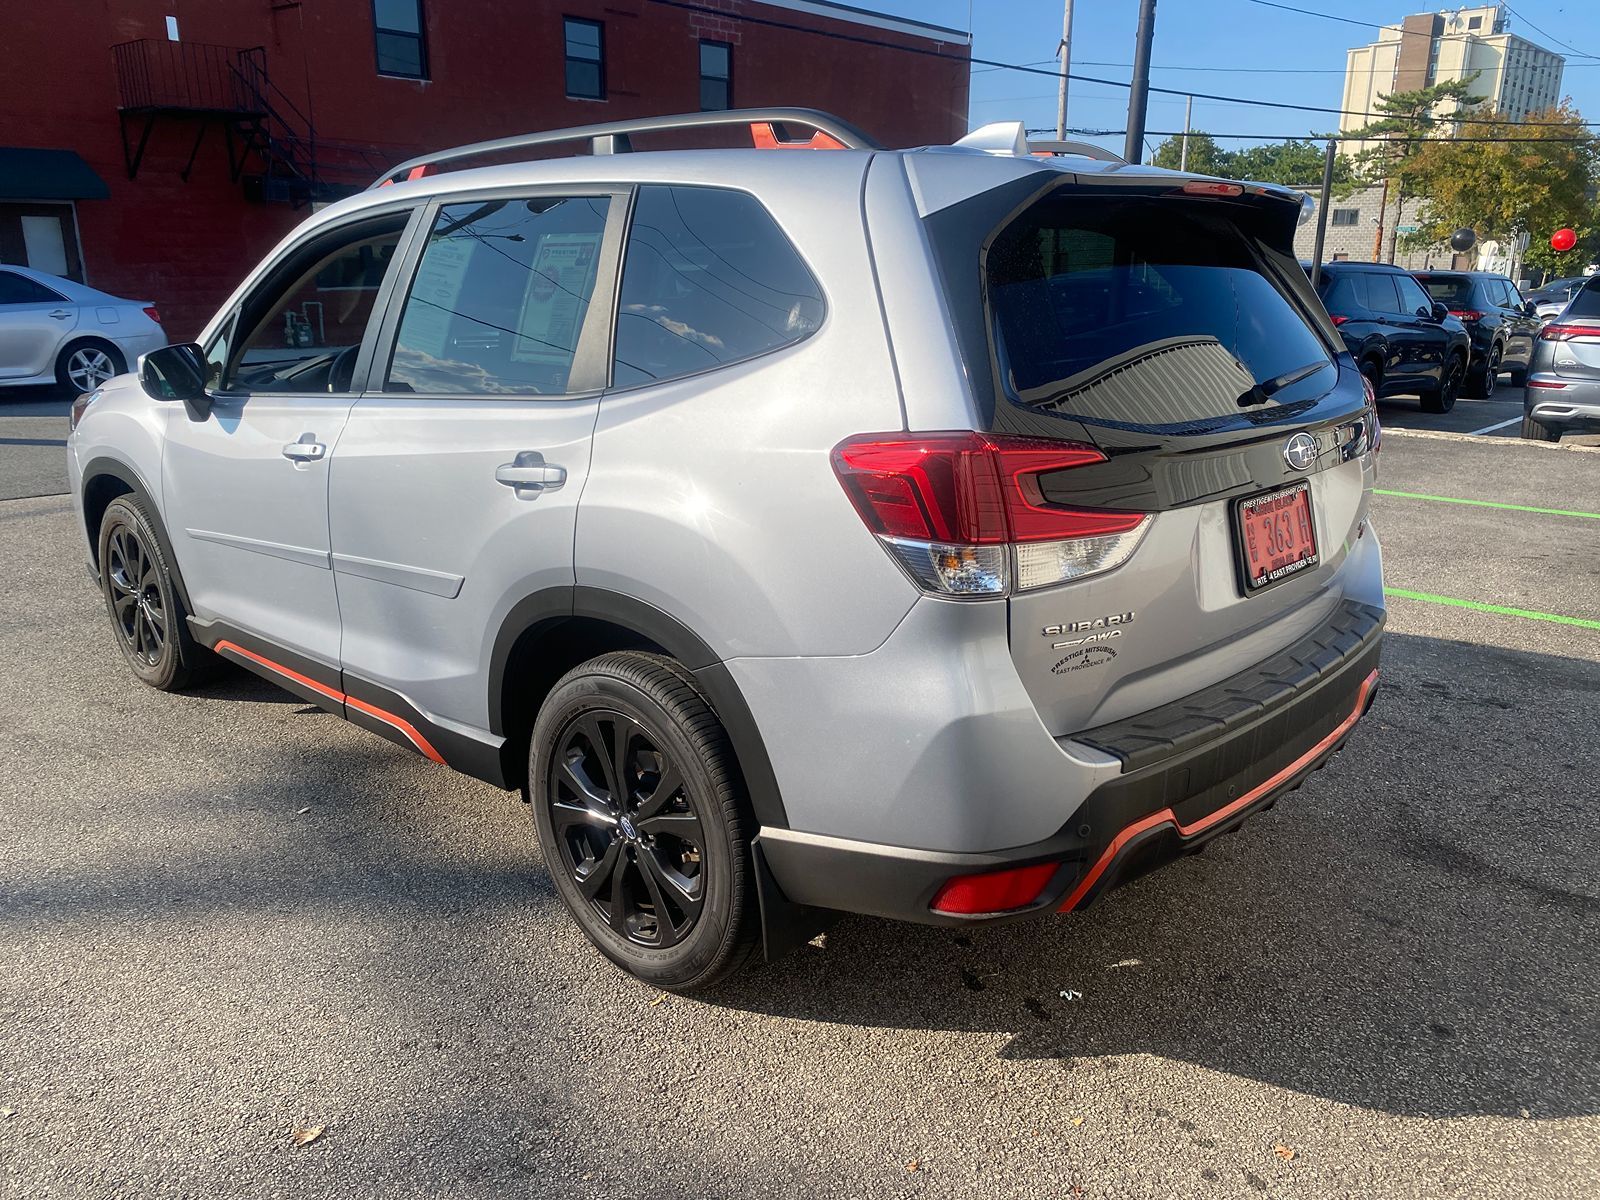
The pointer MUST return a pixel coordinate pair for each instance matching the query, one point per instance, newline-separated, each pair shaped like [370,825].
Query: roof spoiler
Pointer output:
[1011,138]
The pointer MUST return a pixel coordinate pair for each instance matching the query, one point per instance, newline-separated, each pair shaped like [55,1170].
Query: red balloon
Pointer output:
[1563,240]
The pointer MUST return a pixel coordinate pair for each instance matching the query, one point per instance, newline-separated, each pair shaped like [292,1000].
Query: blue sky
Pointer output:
[1211,33]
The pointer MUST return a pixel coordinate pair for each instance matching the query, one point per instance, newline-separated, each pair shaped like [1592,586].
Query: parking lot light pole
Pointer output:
[1139,94]
[1322,216]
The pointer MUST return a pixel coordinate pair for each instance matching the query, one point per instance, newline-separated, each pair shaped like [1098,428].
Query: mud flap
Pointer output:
[785,925]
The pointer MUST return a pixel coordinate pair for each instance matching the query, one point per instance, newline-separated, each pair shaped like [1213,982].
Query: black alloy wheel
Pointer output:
[1443,398]
[628,836]
[137,608]
[642,820]
[1481,384]
[144,601]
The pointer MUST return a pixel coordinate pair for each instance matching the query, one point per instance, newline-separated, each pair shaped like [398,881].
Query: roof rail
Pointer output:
[613,137]
[1085,149]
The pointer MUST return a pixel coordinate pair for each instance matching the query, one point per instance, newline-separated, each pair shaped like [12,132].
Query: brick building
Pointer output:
[157,148]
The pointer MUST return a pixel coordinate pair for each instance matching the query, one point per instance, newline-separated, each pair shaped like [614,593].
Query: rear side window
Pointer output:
[19,289]
[1585,303]
[709,279]
[1172,298]
[1341,294]
[1381,294]
[500,297]
[1453,291]
[1413,300]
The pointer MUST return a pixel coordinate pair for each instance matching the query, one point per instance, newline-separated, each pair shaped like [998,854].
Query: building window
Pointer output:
[402,50]
[716,76]
[1346,216]
[1474,22]
[586,59]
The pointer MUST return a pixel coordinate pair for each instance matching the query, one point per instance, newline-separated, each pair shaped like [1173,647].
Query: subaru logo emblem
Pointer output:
[628,830]
[1300,451]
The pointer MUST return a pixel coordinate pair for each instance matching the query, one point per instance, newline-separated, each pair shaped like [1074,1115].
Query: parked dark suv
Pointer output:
[1404,342]
[1500,322]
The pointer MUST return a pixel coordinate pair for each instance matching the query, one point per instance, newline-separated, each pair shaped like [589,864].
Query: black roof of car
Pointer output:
[1345,264]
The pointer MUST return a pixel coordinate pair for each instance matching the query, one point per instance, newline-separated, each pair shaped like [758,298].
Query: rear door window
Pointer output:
[1586,303]
[1083,288]
[709,279]
[500,297]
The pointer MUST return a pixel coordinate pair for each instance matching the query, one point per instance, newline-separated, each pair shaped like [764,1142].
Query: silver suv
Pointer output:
[947,534]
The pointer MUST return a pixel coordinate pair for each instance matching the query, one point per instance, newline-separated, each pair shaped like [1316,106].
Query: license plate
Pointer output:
[1276,536]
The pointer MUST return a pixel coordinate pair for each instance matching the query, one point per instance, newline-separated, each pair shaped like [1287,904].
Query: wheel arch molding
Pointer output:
[106,478]
[551,631]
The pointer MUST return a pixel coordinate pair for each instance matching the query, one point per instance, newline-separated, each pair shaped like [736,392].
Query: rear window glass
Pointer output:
[1452,290]
[1170,297]
[1585,303]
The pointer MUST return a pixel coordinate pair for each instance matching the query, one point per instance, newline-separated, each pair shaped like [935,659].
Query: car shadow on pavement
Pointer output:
[1412,931]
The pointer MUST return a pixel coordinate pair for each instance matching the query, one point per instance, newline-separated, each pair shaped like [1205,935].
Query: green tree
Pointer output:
[1205,156]
[1537,183]
[1297,162]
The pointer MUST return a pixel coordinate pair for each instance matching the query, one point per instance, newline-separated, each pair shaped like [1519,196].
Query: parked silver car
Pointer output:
[1563,392]
[945,534]
[53,330]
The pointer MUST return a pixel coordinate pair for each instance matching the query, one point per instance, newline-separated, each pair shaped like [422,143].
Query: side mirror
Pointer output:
[177,373]
[1439,312]
[1530,308]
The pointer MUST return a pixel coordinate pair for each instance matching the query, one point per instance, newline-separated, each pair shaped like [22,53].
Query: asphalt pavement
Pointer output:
[225,915]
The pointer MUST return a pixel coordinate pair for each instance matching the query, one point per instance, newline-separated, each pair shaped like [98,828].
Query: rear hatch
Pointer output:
[1575,338]
[1175,333]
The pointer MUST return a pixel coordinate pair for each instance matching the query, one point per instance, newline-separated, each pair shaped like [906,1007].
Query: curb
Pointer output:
[1440,435]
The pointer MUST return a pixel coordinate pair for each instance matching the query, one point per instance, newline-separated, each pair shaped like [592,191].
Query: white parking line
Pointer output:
[1492,428]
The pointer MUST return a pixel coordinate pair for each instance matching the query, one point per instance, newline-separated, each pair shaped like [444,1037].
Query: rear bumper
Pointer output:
[1573,407]
[1191,770]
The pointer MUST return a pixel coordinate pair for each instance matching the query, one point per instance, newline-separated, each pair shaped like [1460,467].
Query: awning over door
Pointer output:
[33,174]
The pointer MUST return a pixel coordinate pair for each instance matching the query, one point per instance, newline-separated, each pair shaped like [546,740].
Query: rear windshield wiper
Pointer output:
[1263,392]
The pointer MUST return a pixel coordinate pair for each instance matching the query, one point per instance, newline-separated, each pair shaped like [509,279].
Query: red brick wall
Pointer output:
[496,68]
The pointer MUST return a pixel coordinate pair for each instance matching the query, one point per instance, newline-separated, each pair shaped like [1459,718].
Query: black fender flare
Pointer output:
[104,465]
[551,605]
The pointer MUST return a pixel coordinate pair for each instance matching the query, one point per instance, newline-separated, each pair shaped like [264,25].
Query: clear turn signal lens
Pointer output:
[1041,564]
[954,570]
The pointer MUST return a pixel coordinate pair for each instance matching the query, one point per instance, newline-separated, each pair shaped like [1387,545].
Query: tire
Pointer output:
[141,594]
[87,363]
[1535,432]
[1480,384]
[1443,398]
[1519,378]
[1373,374]
[620,859]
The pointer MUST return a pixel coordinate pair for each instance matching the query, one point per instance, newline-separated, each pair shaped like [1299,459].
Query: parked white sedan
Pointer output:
[55,331]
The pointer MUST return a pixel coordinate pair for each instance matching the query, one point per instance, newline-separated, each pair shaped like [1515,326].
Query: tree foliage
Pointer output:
[1297,161]
[1408,122]
[1538,184]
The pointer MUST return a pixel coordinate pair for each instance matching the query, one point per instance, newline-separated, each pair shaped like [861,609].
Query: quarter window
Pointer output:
[1381,295]
[586,59]
[716,76]
[709,279]
[398,29]
[500,298]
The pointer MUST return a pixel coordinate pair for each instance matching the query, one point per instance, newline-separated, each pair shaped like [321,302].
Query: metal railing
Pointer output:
[154,75]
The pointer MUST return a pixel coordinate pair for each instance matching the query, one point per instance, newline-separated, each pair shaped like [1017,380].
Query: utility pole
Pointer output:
[1188,119]
[1139,93]
[1322,215]
[1065,52]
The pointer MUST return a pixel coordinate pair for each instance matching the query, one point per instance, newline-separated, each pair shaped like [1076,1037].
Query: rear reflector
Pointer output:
[952,507]
[994,891]
[1561,333]
[1543,383]
[1466,314]
[1211,187]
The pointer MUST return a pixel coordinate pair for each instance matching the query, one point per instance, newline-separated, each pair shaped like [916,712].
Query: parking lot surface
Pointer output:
[225,915]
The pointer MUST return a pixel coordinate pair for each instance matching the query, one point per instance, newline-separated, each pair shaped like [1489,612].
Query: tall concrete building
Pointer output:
[1516,77]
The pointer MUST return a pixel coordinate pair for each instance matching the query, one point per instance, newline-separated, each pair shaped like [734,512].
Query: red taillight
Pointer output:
[968,489]
[1560,333]
[1212,187]
[1466,314]
[966,513]
[994,891]
[154,313]
[1339,320]
[1545,383]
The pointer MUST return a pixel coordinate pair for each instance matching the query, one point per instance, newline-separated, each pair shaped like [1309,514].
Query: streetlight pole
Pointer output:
[1139,93]
[1188,120]
[1065,53]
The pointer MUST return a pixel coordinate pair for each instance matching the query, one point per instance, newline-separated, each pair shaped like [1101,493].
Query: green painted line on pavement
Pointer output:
[1549,512]
[1499,609]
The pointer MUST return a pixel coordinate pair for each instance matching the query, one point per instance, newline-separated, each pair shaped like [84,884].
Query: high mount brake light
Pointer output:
[965,514]
[1561,333]
[1212,187]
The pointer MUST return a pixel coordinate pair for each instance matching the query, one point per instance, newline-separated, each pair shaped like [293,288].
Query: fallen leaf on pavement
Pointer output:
[1077,1120]
[1283,1152]
[304,1137]
[913,1165]
[658,999]
[7,1112]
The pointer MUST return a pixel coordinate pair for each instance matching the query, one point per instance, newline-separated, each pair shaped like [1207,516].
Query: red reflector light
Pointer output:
[1339,320]
[154,313]
[1211,187]
[968,489]
[994,891]
[1466,314]
[1560,333]
[1540,383]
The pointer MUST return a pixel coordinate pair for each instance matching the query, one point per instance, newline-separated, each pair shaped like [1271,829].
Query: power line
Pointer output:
[1307,12]
[1551,36]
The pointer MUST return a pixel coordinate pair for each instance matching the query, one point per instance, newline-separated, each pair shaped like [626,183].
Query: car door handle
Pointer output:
[304,451]
[530,475]
[60,314]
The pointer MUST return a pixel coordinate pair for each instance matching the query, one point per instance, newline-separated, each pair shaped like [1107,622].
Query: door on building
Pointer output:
[245,488]
[41,236]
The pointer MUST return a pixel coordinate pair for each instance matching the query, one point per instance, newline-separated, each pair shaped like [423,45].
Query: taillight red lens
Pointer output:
[1560,333]
[994,891]
[154,313]
[1466,314]
[968,489]
[1339,320]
